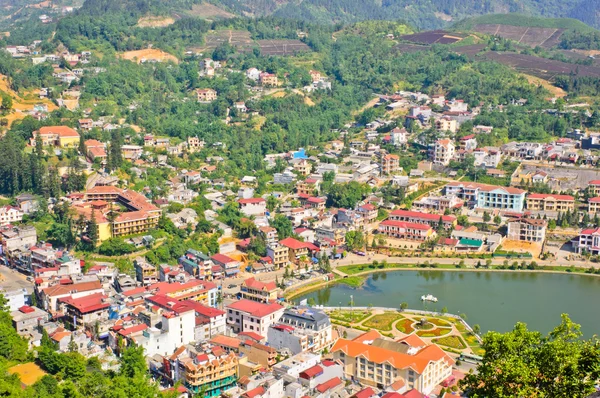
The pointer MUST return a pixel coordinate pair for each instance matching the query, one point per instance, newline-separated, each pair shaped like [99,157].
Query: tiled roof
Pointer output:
[255,308]
[61,131]
[254,284]
[329,384]
[405,225]
[550,196]
[423,216]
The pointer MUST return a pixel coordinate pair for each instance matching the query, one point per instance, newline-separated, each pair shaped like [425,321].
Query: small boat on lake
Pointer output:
[429,297]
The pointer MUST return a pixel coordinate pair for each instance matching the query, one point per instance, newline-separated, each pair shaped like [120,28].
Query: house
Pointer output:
[206,94]
[369,212]
[301,329]
[253,289]
[253,206]
[298,250]
[268,79]
[28,203]
[479,129]
[399,136]
[437,204]
[253,74]
[85,311]
[593,188]
[445,123]
[279,255]
[145,273]
[527,230]
[252,316]
[443,152]
[26,319]
[406,230]
[419,365]
[468,142]
[390,163]
[433,220]
[549,202]
[594,205]
[310,186]
[60,136]
[588,241]
[230,266]
[10,215]
[95,150]
[49,296]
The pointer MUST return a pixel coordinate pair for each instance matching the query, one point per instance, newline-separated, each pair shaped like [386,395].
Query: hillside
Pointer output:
[425,14]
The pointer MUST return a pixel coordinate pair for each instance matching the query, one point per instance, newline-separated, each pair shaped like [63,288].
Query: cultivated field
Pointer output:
[434,37]
[155,22]
[411,48]
[234,37]
[470,50]
[149,55]
[544,37]
[278,47]
[541,67]
[209,11]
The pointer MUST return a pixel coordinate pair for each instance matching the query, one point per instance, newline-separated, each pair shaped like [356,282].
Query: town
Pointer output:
[195,210]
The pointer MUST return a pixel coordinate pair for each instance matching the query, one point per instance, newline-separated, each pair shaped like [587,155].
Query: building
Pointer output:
[301,329]
[196,290]
[17,238]
[298,250]
[197,264]
[527,230]
[594,205]
[432,220]
[10,215]
[210,371]
[61,136]
[230,266]
[84,311]
[279,254]
[446,123]
[310,187]
[488,196]
[253,206]
[390,163]
[96,150]
[269,234]
[437,204]
[443,152]
[252,289]
[378,362]
[468,142]
[594,188]
[26,319]
[268,79]
[49,296]
[174,328]
[589,241]
[251,316]
[406,230]
[145,273]
[549,202]
[206,95]
[16,298]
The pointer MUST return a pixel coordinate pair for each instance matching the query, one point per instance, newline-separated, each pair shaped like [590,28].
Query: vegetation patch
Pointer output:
[439,322]
[382,321]
[452,342]
[405,326]
[352,281]
[433,333]
[350,316]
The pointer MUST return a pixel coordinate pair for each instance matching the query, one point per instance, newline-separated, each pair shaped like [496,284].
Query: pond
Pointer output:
[494,300]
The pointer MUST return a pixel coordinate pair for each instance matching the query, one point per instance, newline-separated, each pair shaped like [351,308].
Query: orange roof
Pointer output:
[412,340]
[61,131]
[93,143]
[369,336]
[254,284]
[226,341]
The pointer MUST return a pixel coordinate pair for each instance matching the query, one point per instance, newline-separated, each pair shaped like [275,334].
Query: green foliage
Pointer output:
[346,195]
[283,225]
[560,364]
[115,247]
[524,20]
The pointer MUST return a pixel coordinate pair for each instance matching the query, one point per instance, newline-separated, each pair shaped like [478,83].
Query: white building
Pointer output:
[443,152]
[10,214]
[252,316]
[253,206]
[177,328]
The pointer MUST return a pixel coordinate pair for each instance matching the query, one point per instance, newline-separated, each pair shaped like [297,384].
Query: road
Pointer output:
[11,279]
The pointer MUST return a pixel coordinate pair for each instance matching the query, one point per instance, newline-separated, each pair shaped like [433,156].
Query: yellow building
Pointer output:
[252,289]
[548,202]
[61,136]
[210,372]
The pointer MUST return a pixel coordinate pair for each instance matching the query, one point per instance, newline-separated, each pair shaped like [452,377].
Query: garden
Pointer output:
[382,321]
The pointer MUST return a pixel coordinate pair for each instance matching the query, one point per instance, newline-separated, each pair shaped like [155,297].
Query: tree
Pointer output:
[486,217]
[476,329]
[283,225]
[497,220]
[92,230]
[403,306]
[524,363]
[133,362]
[355,240]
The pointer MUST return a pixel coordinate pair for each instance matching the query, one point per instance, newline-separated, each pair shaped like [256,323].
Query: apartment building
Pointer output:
[279,254]
[197,264]
[527,230]
[443,152]
[372,360]
[301,329]
[268,79]
[298,250]
[446,123]
[594,205]
[10,215]
[486,196]
[84,311]
[594,188]
[432,220]
[252,316]
[589,241]
[390,163]
[255,290]
[253,206]
[437,204]
[406,230]
[550,202]
[145,273]
[269,234]
[310,186]
[196,290]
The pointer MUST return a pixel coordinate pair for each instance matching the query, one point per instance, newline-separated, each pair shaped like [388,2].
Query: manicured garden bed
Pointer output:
[439,322]
[382,321]
[452,342]
[434,333]
[405,326]
[350,316]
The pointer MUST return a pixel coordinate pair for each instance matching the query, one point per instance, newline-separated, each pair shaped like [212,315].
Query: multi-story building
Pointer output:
[253,289]
[196,290]
[310,186]
[437,204]
[50,295]
[487,157]
[197,264]
[252,316]
[423,218]
[528,230]
[301,329]
[208,371]
[269,234]
[375,361]
[206,94]
[390,163]
[174,328]
[594,188]
[10,215]
[268,79]
[468,142]
[369,212]
[61,136]
[488,196]
[589,241]
[85,310]
[253,206]
[279,254]
[26,319]
[446,123]
[550,202]
[17,238]
[230,266]
[96,150]
[443,152]
[298,250]
[406,230]
[145,273]
[594,205]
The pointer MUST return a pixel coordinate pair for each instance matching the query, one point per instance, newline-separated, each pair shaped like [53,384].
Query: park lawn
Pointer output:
[405,326]
[439,322]
[433,333]
[470,339]
[382,321]
[350,316]
[357,268]
[452,342]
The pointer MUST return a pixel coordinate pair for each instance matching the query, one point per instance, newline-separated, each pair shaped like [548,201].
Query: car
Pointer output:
[231,286]
[360,253]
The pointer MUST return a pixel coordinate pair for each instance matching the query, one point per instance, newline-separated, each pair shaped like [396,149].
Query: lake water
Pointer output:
[494,300]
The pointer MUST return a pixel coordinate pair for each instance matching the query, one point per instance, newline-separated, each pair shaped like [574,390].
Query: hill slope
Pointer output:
[425,14]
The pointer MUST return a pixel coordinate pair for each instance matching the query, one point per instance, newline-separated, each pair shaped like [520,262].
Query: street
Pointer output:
[11,279]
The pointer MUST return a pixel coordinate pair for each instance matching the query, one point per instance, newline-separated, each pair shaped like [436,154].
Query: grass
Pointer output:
[352,281]
[405,326]
[433,333]
[471,340]
[451,341]
[350,316]
[427,326]
[382,321]
[439,322]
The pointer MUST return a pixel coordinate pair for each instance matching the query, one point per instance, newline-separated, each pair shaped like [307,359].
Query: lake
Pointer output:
[494,300]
